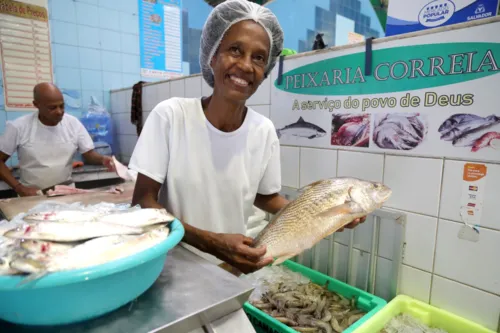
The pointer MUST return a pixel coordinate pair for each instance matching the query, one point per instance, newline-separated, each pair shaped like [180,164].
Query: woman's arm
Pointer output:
[272,203]
[232,248]
[146,195]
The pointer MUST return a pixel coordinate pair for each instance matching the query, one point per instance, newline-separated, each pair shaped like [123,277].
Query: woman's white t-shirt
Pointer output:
[210,178]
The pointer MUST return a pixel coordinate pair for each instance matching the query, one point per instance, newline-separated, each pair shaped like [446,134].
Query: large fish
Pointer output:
[7,247]
[70,232]
[139,218]
[302,129]
[46,247]
[91,253]
[323,208]
[63,216]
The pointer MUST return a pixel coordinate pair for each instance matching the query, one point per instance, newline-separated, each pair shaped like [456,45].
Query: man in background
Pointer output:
[46,141]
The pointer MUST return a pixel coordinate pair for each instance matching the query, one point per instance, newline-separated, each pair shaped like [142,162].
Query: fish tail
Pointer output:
[32,277]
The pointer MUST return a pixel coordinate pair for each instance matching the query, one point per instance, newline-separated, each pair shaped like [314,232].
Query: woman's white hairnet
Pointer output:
[222,17]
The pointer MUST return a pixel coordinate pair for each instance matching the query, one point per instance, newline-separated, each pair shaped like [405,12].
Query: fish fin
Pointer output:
[345,208]
[32,277]
[301,120]
[278,133]
[308,186]
[312,136]
[282,259]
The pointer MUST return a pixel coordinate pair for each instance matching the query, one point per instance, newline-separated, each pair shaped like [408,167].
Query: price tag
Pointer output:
[473,184]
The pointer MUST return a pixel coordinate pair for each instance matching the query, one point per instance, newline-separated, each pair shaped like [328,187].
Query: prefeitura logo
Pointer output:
[436,13]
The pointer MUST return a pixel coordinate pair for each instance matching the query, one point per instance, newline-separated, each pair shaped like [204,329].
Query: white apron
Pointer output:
[45,164]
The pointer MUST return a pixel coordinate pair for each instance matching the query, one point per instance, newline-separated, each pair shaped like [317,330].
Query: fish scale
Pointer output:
[323,207]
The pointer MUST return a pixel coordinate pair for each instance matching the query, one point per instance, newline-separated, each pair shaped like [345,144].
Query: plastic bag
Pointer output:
[98,123]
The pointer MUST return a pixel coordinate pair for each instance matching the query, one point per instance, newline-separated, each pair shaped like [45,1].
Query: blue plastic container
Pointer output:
[78,295]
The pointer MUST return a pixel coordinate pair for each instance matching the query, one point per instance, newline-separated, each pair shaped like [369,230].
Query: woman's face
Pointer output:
[240,61]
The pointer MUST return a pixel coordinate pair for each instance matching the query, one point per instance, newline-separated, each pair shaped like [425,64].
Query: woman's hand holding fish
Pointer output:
[236,250]
[353,224]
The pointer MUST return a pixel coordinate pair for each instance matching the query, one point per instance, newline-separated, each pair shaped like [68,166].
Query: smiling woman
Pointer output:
[208,160]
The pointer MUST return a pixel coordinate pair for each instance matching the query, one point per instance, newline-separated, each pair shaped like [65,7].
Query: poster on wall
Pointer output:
[431,95]
[405,16]
[160,32]
[25,51]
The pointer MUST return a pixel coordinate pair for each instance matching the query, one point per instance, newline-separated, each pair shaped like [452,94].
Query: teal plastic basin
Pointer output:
[78,295]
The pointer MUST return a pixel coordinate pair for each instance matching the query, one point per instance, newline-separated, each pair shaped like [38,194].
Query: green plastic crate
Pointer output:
[263,323]
[428,314]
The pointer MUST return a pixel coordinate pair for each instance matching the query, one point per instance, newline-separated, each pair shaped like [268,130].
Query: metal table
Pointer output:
[191,295]
[11,207]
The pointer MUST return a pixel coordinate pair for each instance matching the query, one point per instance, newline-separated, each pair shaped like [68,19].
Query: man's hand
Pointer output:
[235,250]
[25,191]
[353,224]
[107,161]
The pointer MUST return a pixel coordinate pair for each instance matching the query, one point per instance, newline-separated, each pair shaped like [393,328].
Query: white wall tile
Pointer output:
[452,193]
[316,164]
[473,263]
[126,144]
[115,102]
[127,99]
[415,283]
[149,98]
[206,90]
[470,303]
[420,238]
[192,87]
[122,124]
[415,183]
[177,88]
[262,95]
[289,166]
[361,165]
[262,109]
[162,92]
[121,101]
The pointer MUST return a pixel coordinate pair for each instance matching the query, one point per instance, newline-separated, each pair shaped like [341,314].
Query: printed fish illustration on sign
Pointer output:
[302,129]
[469,130]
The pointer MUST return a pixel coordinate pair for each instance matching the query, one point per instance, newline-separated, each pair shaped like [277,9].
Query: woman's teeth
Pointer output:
[239,81]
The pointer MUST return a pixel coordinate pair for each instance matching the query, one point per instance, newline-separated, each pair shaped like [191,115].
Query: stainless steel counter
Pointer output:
[190,294]
[80,174]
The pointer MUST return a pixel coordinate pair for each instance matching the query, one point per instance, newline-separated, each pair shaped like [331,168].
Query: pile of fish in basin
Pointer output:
[321,209]
[62,263]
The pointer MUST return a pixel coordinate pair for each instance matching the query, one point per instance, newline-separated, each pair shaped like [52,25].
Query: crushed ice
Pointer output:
[405,323]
